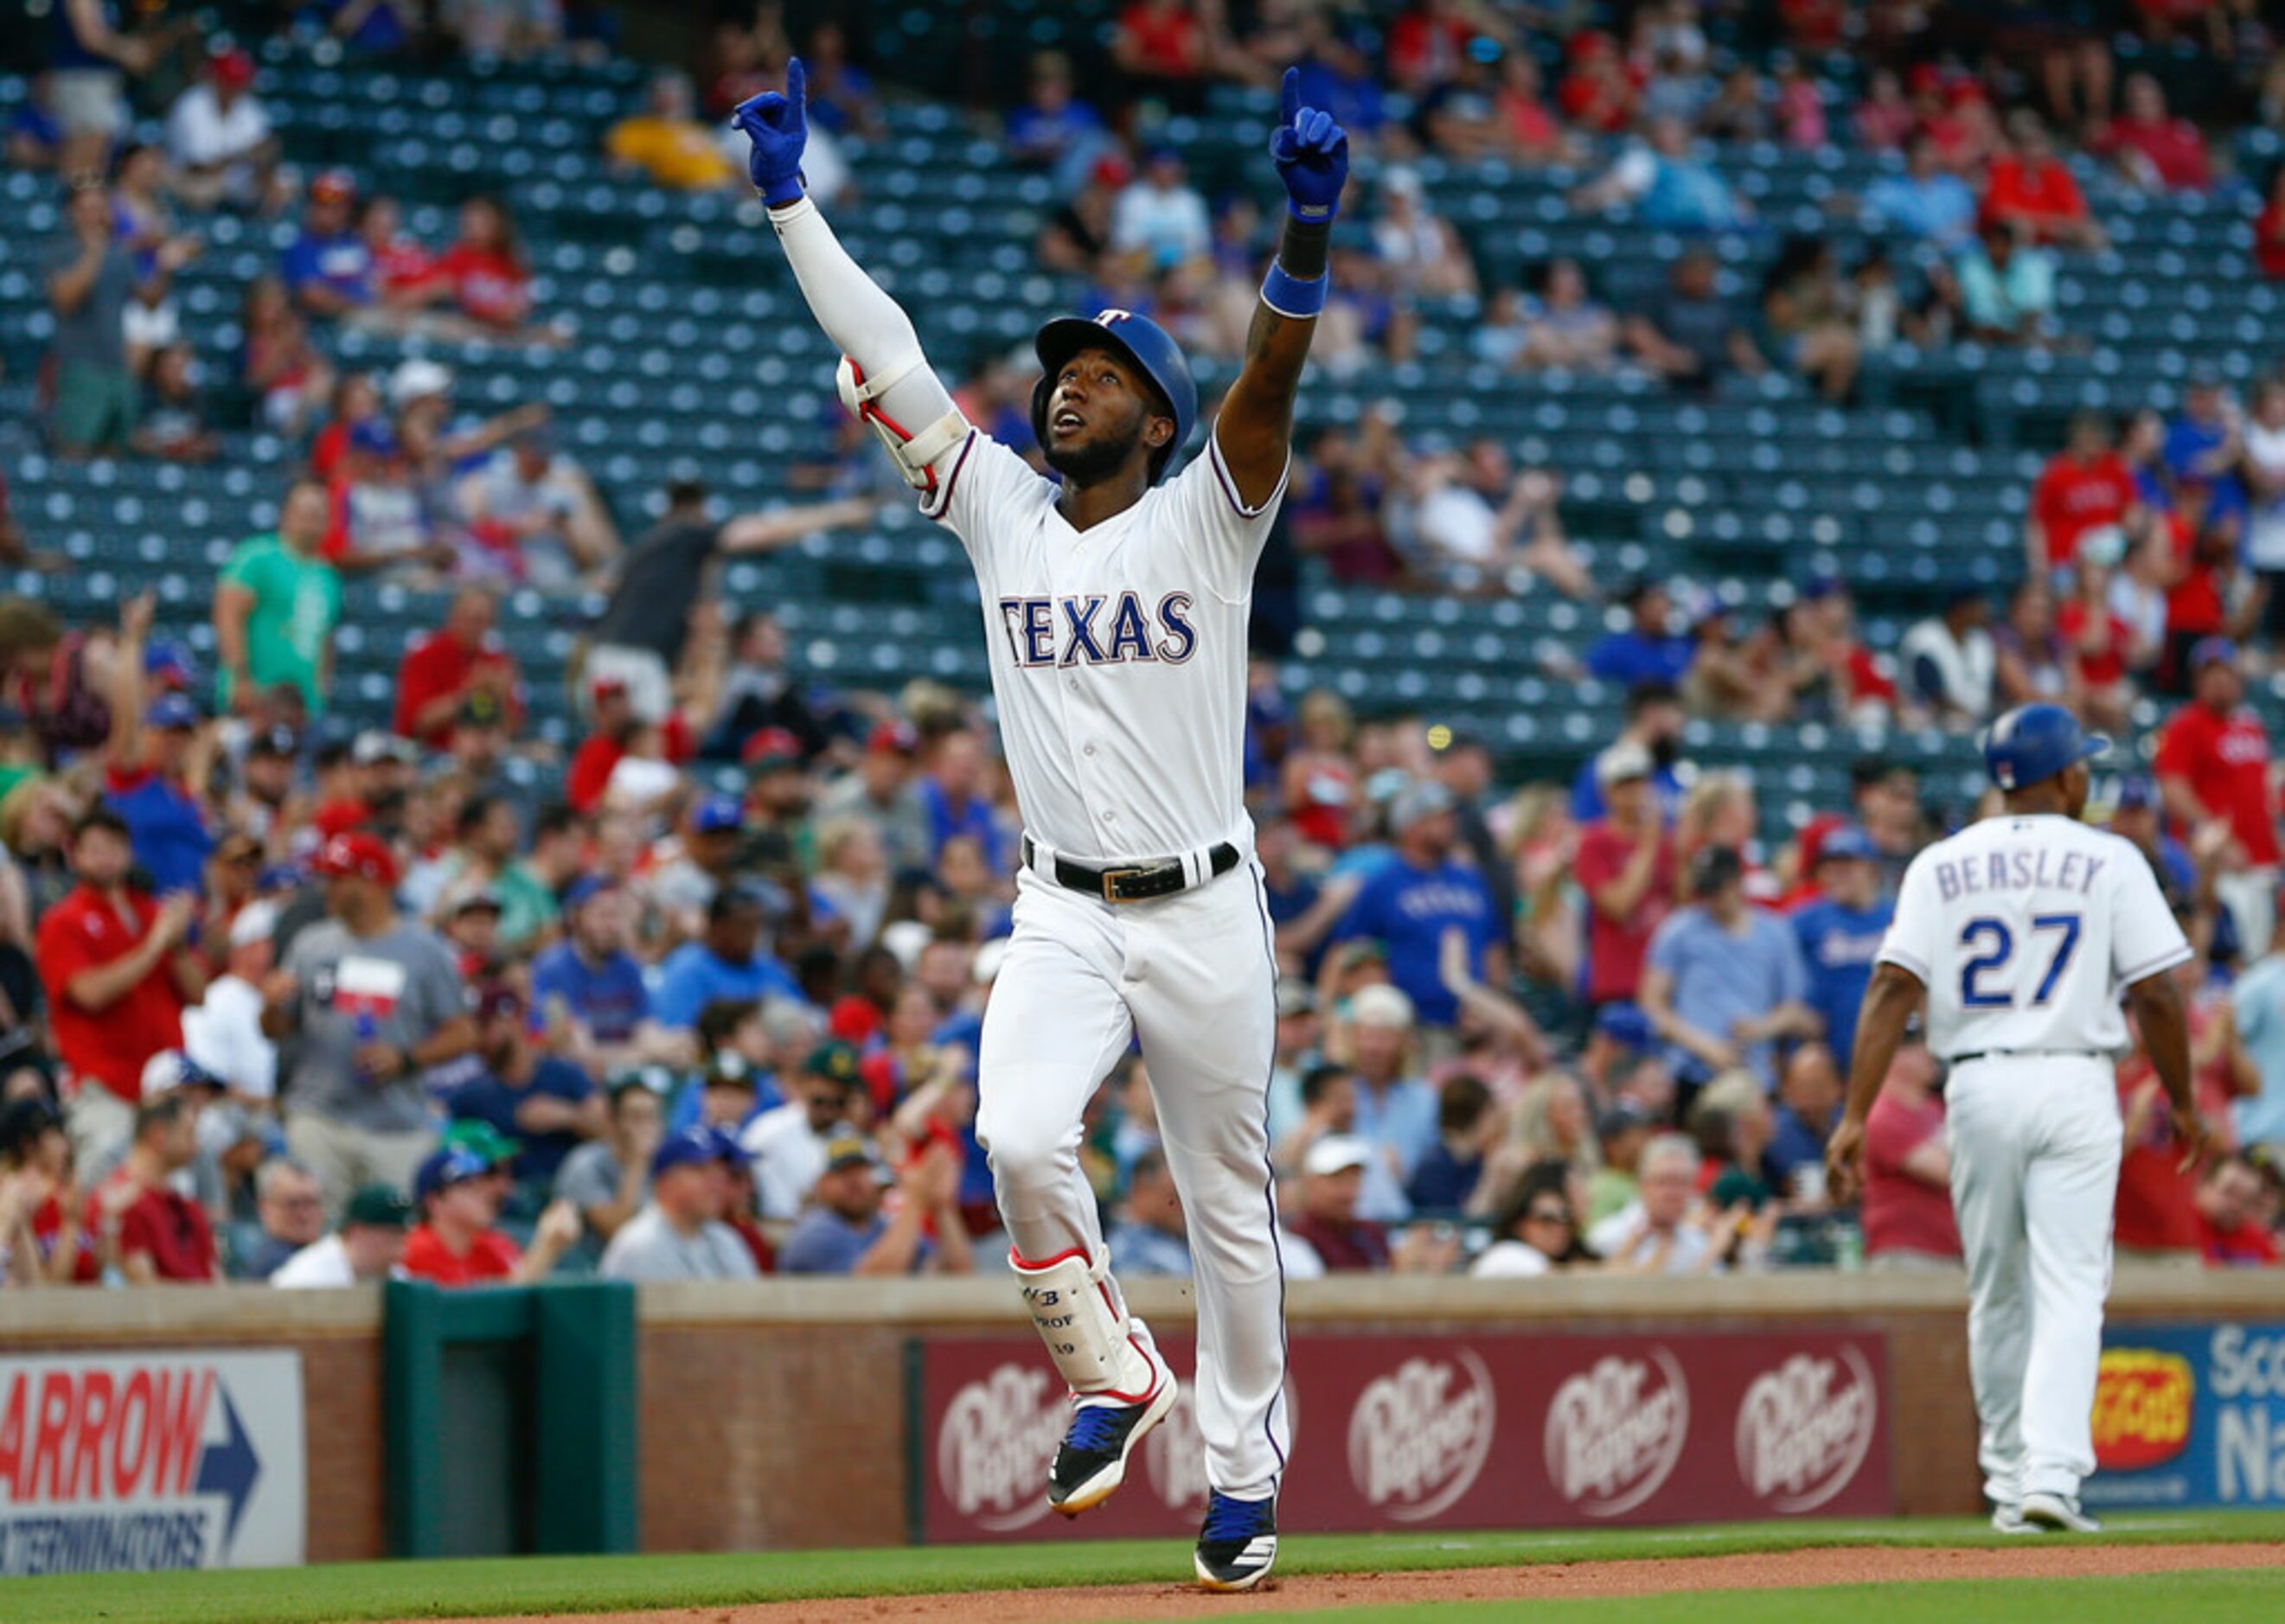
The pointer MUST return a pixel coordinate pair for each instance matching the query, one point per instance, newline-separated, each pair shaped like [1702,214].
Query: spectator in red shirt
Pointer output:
[441,670]
[2213,763]
[2101,647]
[1161,45]
[2156,1217]
[141,1224]
[2151,147]
[1599,93]
[2084,486]
[116,973]
[483,270]
[455,1242]
[1336,1239]
[615,725]
[2269,229]
[1427,43]
[2228,1208]
[1626,865]
[39,1199]
[2027,186]
[1907,1202]
[403,270]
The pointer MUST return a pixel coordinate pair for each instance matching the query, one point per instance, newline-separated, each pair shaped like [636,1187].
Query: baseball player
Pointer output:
[2020,932]
[1115,608]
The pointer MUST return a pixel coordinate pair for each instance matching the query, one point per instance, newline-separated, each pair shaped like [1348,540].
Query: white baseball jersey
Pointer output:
[1117,652]
[2025,930]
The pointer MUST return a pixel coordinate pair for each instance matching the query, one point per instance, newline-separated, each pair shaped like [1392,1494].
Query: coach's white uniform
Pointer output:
[2025,932]
[1119,664]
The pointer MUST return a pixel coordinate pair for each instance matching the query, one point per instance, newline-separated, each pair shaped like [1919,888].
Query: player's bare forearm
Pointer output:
[1890,1001]
[1257,419]
[2164,1023]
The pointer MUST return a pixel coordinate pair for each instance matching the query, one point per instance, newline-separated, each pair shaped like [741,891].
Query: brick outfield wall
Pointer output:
[773,1416]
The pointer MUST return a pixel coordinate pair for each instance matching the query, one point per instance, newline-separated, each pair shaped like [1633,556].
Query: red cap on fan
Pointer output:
[355,856]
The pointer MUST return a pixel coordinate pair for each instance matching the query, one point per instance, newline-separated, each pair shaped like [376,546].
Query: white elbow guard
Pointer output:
[1085,1328]
[913,453]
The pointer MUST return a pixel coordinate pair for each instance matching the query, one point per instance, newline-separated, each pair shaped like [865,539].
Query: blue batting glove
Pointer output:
[1311,154]
[779,128]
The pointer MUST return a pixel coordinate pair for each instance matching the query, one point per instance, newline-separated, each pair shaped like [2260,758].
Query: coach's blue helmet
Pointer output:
[1149,346]
[2035,741]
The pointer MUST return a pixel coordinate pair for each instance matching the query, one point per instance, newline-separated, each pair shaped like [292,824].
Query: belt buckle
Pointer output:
[1110,877]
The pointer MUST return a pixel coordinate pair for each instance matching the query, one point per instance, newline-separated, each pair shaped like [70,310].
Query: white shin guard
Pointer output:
[1100,1350]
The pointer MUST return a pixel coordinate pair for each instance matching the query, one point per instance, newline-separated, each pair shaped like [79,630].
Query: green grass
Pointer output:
[2146,1598]
[349,1591]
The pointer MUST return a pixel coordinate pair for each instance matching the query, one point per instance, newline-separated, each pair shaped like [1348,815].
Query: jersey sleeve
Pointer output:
[1910,944]
[1216,526]
[978,485]
[2144,940]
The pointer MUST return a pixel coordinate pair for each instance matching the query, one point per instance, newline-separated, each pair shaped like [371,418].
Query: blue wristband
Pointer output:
[1290,295]
[786,191]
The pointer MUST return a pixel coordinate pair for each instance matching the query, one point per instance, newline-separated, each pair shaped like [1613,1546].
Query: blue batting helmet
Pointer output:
[1149,346]
[2035,741]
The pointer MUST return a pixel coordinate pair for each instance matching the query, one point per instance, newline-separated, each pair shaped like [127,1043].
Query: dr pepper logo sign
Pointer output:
[2142,1403]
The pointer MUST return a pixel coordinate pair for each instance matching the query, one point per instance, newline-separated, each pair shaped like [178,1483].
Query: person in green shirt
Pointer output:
[277,604]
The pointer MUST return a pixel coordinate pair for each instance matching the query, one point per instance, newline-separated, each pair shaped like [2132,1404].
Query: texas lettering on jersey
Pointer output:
[1091,631]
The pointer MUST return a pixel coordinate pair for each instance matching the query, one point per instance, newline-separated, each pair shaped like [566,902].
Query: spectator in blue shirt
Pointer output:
[328,267]
[1839,932]
[727,962]
[548,1106]
[1446,1177]
[2203,447]
[1150,1237]
[1058,132]
[1395,1111]
[373,26]
[591,980]
[953,793]
[1423,891]
[1927,200]
[2136,819]
[1809,1104]
[1723,980]
[1654,721]
[1645,651]
[846,1232]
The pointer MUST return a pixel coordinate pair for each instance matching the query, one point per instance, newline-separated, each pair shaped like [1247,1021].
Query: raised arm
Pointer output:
[1255,430]
[884,378]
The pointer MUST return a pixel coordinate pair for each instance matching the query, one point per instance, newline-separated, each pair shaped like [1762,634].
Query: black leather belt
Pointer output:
[1961,1060]
[1132,882]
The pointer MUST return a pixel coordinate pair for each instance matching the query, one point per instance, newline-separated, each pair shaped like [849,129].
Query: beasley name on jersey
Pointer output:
[2025,928]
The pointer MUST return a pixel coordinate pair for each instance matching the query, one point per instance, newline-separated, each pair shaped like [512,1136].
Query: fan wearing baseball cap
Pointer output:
[369,1245]
[117,974]
[328,267]
[218,136]
[680,1234]
[456,1244]
[375,1000]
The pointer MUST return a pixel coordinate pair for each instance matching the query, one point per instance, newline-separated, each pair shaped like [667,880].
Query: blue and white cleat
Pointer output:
[1238,1543]
[1092,1461]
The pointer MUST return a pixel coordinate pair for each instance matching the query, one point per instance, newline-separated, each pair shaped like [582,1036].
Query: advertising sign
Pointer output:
[137,1462]
[2190,1415]
[1487,1431]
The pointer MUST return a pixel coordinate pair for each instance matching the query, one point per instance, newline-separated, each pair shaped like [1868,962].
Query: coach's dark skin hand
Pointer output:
[1890,1001]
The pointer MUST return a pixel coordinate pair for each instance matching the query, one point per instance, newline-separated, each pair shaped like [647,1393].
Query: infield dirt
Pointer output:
[1769,1571]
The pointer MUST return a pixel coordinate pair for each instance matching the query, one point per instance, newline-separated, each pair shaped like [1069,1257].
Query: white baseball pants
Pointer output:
[2034,1143]
[1191,977]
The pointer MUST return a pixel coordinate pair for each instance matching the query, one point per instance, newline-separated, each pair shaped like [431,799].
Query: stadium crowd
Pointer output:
[287,998]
